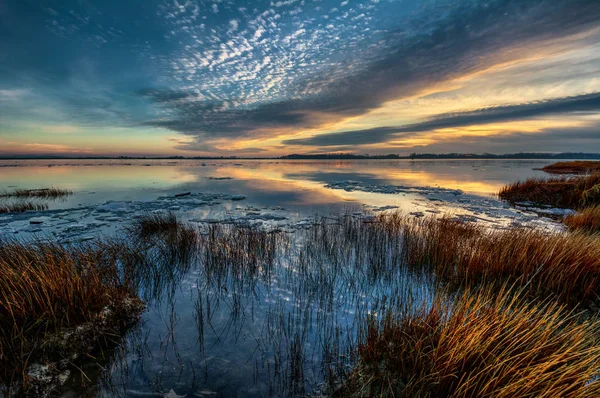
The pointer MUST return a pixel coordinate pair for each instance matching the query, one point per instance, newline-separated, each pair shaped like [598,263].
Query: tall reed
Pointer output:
[482,344]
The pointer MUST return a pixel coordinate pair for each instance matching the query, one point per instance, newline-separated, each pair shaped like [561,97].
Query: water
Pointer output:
[271,327]
[266,182]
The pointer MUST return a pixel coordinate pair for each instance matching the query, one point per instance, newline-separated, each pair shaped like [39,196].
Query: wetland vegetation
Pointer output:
[563,192]
[21,207]
[22,199]
[42,193]
[446,298]
[573,167]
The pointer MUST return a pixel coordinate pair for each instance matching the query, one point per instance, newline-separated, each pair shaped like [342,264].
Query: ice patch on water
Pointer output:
[462,206]
[85,223]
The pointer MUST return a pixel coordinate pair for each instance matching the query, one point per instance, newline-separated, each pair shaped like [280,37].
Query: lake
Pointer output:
[283,328]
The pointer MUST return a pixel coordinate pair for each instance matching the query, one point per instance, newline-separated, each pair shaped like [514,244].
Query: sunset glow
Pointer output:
[264,78]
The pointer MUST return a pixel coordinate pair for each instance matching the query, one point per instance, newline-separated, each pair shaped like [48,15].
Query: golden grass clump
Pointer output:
[47,288]
[573,167]
[572,193]
[42,193]
[21,207]
[486,344]
[564,266]
[587,220]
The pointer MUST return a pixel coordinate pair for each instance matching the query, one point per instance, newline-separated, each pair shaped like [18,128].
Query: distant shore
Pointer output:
[331,156]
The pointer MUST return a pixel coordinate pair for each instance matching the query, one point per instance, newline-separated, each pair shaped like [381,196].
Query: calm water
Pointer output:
[295,184]
[279,332]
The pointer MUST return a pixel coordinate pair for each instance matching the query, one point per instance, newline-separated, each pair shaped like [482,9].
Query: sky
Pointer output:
[269,78]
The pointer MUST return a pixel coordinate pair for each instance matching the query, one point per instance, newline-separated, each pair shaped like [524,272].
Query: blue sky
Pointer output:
[273,77]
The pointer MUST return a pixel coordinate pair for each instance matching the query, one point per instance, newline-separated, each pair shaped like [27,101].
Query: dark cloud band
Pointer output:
[582,103]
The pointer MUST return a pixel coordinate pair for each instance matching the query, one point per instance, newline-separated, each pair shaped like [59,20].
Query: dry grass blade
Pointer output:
[174,238]
[564,266]
[486,344]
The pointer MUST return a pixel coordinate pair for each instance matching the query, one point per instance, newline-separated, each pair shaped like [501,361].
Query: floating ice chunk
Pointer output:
[555,211]
[384,208]
[114,207]
[38,220]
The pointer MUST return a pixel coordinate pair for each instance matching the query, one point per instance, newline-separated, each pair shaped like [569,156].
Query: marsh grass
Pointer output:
[43,193]
[564,266]
[587,220]
[350,292]
[482,344]
[175,240]
[21,207]
[246,251]
[574,167]
[152,224]
[47,289]
[564,192]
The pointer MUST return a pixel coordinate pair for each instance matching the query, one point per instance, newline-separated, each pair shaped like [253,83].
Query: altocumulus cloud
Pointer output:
[466,38]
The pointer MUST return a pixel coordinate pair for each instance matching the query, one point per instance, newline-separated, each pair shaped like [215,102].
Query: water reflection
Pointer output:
[265,182]
[259,313]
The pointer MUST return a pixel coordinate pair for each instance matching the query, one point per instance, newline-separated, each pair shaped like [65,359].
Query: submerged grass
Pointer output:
[574,167]
[486,344]
[21,207]
[43,193]
[587,220]
[573,193]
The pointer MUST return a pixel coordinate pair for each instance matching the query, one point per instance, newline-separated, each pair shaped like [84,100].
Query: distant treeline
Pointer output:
[340,156]
[520,155]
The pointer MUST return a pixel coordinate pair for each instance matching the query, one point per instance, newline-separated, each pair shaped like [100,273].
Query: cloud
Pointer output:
[162,96]
[574,139]
[468,38]
[200,146]
[499,114]
[14,148]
